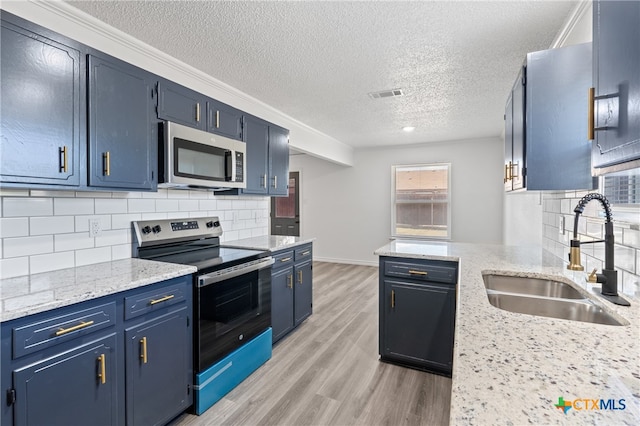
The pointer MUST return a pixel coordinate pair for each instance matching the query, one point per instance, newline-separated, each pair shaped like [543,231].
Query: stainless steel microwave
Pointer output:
[193,158]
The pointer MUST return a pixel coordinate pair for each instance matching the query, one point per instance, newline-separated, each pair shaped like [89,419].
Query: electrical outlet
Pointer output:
[95,227]
[561,225]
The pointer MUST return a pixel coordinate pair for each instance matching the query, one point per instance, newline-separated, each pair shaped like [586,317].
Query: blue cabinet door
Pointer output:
[616,76]
[224,120]
[278,161]
[158,366]
[42,106]
[508,144]
[517,167]
[256,133]
[303,292]
[181,105]
[282,288]
[122,131]
[77,387]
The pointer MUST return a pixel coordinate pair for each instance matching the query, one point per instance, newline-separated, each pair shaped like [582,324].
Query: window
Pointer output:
[421,201]
[622,189]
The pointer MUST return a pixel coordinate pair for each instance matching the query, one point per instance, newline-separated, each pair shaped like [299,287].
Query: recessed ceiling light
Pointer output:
[408,129]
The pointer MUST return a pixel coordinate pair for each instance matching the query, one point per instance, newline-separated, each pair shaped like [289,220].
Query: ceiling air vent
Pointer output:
[386,94]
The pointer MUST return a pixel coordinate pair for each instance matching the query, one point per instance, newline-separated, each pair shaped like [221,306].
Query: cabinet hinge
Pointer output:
[187,321]
[11,396]
[504,117]
[188,389]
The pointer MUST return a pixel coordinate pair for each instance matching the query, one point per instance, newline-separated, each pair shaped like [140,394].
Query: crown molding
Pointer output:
[576,15]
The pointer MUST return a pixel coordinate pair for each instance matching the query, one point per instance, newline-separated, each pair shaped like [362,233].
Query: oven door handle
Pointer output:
[225,274]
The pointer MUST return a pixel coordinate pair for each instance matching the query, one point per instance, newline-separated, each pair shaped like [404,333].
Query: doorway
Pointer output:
[285,211]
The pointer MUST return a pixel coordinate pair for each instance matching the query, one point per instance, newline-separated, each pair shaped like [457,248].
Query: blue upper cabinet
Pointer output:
[224,120]
[278,161]
[42,105]
[181,105]
[122,130]
[616,77]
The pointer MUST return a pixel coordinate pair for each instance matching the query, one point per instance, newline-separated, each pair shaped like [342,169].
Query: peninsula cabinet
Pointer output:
[616,76]
[291,289]
[546,144]
[43,105]
[123,132]
[417,313]
[120,359]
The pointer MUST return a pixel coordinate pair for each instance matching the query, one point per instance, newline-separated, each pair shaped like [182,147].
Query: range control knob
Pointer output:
[146,230]
[156,229]
[210,224]
[216,223]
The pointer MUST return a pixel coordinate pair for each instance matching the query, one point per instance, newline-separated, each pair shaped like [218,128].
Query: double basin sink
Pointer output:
[544,297]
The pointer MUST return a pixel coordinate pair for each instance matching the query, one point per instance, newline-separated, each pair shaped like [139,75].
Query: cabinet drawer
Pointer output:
[443,273]
[303,252]
[282,259]
[154,300]
[61,328]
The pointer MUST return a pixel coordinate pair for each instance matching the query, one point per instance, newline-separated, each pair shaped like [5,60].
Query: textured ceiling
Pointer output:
[317,61]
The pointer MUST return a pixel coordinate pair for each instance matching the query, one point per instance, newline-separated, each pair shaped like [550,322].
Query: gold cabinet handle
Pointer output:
[217,119]
[286,259]
[300,277]
[290,281]
[107,163]
[393,299]
[143,350]
[506,173]
[102,369]
[162,299]
[198,112]
[511,172]
[82,324]
[64,163]
[306,252]
[413,272]
[591,131]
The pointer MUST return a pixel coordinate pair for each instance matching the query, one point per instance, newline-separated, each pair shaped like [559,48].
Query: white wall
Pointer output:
[348,209]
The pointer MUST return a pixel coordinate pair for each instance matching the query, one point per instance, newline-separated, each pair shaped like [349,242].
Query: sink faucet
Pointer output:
[609,276]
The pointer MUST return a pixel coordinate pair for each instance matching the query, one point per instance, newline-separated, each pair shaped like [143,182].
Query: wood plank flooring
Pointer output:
[327,371]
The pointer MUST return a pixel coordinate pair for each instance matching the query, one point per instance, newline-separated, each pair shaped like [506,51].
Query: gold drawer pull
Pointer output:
[143,350]
[102,375]
[82,324]
[286,259]
[412,272]
[198,112]
[162,299]
[304,253]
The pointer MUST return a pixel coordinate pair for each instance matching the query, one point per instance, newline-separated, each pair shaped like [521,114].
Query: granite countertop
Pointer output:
[31,294]
[268,242]
[511,368]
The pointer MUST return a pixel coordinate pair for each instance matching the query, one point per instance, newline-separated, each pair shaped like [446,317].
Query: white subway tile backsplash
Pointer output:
[39,193]
[77,241]
[167,205]
[177,194]
[93,194]
[51,225]
[72,206]
[51,262]
[112,238]
[27,246]
[137,205]
[625,258]
[94,255]
[224,205]
[188,205]
[19,207]
[14,267]
[153,216]
[121,251]
[123,221]
[14,227]
[631,238]
[162,193]
[207,205]
[111,205]
[6,192]
[199,195]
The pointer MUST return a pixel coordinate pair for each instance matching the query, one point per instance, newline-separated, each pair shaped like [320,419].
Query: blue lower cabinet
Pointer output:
[219,379]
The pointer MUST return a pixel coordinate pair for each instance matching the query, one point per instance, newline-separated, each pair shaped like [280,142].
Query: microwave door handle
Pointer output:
[233,166]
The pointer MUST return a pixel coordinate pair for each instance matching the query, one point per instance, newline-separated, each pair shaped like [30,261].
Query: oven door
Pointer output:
[232,307]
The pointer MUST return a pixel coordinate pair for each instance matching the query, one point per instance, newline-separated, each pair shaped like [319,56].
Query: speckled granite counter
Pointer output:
[31,294]
[511,368]
[268,242]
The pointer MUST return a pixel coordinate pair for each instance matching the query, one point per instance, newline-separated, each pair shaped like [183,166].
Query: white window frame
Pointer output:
[393,202]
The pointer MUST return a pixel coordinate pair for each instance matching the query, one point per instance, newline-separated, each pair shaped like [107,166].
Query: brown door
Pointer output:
[285,211]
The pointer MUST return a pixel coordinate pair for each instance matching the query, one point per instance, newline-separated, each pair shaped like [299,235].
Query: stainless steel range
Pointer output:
[232,300]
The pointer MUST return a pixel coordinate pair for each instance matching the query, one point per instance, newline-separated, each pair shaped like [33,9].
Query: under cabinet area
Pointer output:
[291,289]
[417,312]
[125,358]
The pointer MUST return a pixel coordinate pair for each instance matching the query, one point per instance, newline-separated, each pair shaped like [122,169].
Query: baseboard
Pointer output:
[346,261]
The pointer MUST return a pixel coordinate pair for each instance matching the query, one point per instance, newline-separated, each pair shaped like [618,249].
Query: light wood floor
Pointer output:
[327,371]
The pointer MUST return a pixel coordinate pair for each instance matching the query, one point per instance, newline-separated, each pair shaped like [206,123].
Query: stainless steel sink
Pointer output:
[531,286]
[570,309]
